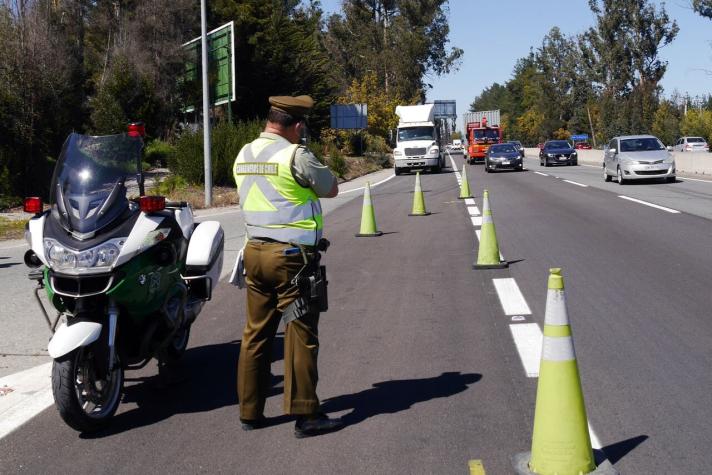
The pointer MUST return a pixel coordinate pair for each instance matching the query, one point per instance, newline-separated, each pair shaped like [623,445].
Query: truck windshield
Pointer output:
[415,133]
[492,134]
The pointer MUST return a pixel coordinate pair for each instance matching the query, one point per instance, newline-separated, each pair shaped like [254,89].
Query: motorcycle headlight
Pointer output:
[100,257]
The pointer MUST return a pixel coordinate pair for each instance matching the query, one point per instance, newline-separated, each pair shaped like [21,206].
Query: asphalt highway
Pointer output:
[418,352]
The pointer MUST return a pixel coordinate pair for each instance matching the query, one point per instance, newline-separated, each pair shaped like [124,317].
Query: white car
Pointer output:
[691,144]
[637,157]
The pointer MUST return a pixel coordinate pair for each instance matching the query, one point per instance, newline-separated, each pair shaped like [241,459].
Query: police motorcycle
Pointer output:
[126,276]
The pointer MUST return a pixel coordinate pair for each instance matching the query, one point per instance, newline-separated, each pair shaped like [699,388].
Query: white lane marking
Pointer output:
[470,202]
[363,187]
[591,166]
[577,184]
[29,393]
[684,178]
[542,174]
[652,205]
[473,210]
[527,338]
[476,220]
[511,297]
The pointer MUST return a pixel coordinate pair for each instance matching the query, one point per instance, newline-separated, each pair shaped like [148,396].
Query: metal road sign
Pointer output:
[221,68]
[349,116]
[579,137]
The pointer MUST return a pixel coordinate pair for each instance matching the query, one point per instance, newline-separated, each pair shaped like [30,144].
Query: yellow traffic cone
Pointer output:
[368,219]
[561,443]
[488,256]
[418,199]
[465,185]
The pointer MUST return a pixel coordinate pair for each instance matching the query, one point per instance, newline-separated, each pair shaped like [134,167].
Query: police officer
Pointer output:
[279,183]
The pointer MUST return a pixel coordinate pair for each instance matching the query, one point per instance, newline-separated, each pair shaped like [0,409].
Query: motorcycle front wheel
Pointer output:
[86,395]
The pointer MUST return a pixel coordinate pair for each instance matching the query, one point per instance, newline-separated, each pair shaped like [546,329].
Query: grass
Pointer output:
[12,229]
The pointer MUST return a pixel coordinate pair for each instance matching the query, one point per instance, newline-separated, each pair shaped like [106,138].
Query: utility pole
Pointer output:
[206,106]
[590,124]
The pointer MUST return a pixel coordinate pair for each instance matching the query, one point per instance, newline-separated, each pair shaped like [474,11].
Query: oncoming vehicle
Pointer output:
[691,144]
[503,156]
[418,140]
[127,277]
[637,157]
[518,145]
[456,146]
[557,152]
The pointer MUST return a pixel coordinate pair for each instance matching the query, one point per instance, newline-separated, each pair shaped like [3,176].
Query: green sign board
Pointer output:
[221,68]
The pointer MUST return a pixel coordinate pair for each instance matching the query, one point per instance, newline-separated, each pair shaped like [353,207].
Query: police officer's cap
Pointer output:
[298,106]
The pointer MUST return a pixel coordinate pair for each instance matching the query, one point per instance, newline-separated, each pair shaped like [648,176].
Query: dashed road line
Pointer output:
[470,202]
[476,220]
[591,166]
[528,341]
[542,174]
[473,210]
[511,297]
[684,178]
[652,205]
[576,183]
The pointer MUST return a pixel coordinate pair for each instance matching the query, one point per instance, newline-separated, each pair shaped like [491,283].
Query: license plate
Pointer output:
[650,168]
[505,162]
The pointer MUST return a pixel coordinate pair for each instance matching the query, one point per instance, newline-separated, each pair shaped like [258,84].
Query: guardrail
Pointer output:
[694,163]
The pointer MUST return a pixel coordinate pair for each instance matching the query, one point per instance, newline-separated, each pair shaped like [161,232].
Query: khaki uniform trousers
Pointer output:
[269,292]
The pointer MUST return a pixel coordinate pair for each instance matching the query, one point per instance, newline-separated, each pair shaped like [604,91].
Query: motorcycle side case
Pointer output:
[205,258]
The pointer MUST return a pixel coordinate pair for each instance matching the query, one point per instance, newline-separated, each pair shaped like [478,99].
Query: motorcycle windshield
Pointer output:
[91,181]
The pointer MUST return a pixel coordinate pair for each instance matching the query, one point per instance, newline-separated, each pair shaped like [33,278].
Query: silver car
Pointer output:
[637,157]
[691,144]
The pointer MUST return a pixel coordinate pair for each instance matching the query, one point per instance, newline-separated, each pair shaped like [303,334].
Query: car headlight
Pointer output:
[397,153]
[550,155]
[573,154]
[433,150]
[102,256]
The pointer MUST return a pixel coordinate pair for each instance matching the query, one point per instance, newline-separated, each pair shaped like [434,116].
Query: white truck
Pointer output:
[417,140]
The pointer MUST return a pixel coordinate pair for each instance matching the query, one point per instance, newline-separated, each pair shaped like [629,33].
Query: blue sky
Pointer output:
[511,27]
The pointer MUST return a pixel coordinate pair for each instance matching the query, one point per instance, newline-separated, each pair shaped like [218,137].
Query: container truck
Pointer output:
[417,140]
[483,129]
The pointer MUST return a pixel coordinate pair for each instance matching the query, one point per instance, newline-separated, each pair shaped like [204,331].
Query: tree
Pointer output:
[666,124]
[623,49]
[402,41]
[703,7]
[381,108]
[697,122]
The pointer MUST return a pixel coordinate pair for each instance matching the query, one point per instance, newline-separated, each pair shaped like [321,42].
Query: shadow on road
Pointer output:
[390,397]
[617,451]
[206,379]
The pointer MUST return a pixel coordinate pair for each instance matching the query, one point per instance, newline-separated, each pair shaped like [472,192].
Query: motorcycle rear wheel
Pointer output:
[86,399]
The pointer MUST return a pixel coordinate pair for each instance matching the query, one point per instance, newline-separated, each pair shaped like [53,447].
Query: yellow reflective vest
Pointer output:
[275,206]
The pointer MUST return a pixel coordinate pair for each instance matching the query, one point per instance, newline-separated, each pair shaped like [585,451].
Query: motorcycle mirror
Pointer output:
[152,204]
[33,205]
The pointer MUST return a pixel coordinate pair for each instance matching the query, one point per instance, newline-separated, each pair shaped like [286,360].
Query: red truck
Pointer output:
[483,129]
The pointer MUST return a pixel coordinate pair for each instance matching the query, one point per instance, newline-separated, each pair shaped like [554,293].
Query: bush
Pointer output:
[317,149]
[158,152]
[170,185]
[336,161]
[226,141]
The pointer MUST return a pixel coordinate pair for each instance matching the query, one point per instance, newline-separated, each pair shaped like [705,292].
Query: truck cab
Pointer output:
[417,140]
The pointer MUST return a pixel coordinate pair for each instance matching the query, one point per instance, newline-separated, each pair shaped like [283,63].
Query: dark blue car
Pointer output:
[503,156]
[557,152]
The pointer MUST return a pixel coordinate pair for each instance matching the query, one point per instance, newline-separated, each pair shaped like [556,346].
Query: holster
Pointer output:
[313,297]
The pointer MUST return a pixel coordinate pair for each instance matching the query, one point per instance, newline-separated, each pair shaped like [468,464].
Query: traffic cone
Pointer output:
[488,252]
[561,443]
[418,199]
[368,219]
[465,185]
